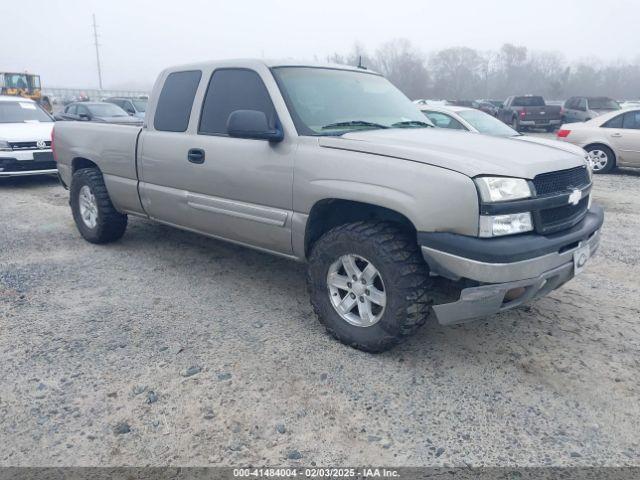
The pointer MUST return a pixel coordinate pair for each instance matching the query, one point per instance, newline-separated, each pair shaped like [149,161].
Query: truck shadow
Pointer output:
[28,182]
[277,281]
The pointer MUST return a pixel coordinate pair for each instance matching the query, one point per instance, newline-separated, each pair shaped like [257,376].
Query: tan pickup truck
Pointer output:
[333,166]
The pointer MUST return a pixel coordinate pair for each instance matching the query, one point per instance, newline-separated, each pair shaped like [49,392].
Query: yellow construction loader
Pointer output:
[24,85]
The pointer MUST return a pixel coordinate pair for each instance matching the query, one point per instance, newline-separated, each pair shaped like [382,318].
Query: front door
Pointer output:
[204,180]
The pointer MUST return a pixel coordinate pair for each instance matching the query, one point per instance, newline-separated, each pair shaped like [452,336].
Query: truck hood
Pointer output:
[567,147]
[26,132]
[462,152]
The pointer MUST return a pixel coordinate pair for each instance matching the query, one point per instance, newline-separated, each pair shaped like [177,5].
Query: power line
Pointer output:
[95,42]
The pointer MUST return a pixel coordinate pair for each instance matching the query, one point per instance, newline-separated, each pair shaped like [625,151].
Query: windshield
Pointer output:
[22,112]
[603,104]
[106,110]
[528,102]
[141,105]
[487,124]
[16,80]
[325,101]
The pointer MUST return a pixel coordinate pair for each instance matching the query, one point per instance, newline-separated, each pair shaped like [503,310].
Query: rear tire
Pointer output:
[401,277]
[515,124]
[550,129]
[603,160]
[96,218]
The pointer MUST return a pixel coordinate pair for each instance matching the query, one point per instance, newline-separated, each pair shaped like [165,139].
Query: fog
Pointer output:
[139,38]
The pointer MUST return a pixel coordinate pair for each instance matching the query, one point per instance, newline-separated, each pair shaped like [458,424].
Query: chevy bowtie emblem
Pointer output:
[575,197]
[41,144]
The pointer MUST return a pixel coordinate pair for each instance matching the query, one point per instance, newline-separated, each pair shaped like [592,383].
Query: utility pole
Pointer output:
[95,42]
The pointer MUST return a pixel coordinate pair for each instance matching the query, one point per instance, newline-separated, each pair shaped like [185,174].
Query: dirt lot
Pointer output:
[170,348]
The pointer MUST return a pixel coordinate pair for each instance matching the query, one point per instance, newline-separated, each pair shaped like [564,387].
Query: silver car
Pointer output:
[612,140]
[472,120]
[583,109]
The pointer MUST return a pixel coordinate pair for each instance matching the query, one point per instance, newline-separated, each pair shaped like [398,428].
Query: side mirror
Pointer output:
[252,124]
[131,112]
[83,116]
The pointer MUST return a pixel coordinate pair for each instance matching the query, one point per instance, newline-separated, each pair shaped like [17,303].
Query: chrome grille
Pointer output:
[561,181]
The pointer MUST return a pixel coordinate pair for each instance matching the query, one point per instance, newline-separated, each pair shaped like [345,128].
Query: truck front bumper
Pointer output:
[509,270]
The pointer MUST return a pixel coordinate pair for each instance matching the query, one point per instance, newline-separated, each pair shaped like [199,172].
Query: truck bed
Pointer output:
[115,145]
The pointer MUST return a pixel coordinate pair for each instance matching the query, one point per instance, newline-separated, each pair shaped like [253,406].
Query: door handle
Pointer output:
[616,135]
[196,155]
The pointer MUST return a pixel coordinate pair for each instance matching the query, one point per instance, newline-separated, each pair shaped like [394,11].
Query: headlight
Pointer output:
[498,225]
[589,162]
[499,189]
[4,146]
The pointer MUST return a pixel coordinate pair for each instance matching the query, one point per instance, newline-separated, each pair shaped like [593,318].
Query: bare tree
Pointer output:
[457,72]
[405,66]
[465,73]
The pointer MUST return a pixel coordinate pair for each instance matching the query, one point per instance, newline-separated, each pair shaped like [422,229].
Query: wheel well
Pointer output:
[329,213]
[79,163]
[598,144]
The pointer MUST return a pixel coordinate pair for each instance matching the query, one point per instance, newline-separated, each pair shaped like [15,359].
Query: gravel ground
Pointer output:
[170,348]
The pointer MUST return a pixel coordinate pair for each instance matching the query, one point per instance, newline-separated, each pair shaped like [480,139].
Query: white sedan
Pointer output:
[25,138]
[473,120]
[612,139]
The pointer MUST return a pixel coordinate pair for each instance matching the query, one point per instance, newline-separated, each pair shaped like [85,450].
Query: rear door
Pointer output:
[626,140]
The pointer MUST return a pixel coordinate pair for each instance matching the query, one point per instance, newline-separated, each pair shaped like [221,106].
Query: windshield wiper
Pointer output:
[353,123]
[411,124]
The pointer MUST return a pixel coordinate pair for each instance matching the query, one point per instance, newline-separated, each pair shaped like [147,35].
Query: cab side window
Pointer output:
[442,120]
[582,105]
[631,120]
[615,122]
[232,89]
[82,110]
[176,100]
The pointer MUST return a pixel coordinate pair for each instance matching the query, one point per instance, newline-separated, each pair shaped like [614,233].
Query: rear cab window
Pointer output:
[176,100]
[528,102]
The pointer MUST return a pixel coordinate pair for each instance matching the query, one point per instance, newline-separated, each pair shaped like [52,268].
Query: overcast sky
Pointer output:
[140,37]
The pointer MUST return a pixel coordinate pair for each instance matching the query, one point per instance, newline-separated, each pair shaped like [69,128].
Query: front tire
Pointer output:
[96,218]
[369,285]
[603,160]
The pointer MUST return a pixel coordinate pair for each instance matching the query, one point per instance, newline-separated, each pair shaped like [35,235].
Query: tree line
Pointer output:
[463,73]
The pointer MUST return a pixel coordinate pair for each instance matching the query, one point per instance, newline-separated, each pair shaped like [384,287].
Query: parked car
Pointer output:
[25,138]
[486,106]
[530,111]
[136,107]
[630,104]
[583,109]
[426,101]
[612,139]
[102,112]
[473,120]
[336,167]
